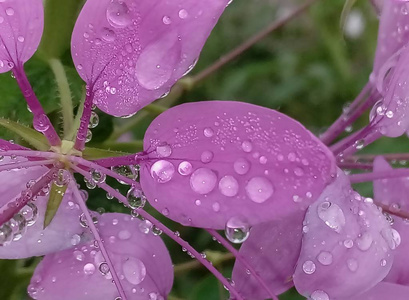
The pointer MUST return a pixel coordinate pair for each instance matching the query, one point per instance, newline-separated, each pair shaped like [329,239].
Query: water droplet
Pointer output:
[124,235]
[183,14]
[241,166]
[89,269]
[348,243]
[118,14]
[163,150]
[94,120]
[136,198]
[75,239]
[237,230]
[308,267]
[78,255]
[104,268]
[162,171]
[134,270]
[364,241]
[208,132]
[185,168]
[229,186]
[10,11]
[359,144]
[97,176]
[166,20]
[206,157]
[391,237]
[325,258]
[259,189]
[319,295]
[20,39]
[247,146]
[30,213]
[332,215]
[145,226]
[203,181]
[108,35]
[383,262]
[6,235]
[352,264]
[18,226]
[41,123]
[126,171]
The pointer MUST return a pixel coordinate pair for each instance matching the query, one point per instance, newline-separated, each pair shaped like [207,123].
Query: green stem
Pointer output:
[70,135]
[65,94]
[194,264]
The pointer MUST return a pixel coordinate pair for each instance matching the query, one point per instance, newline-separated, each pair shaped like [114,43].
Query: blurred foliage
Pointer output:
[308,70]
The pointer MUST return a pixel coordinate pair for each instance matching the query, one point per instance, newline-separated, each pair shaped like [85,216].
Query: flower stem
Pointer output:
[25,164]
[65,94]
[94,231]
[85,117]
[398,213]
[364,177]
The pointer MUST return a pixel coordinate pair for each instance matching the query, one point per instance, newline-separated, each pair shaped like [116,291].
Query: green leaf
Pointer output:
[96,153]
[56,195]
[31,136]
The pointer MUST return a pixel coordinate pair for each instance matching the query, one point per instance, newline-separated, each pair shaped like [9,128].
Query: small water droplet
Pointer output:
[206,157]
[167,20]
[308,267]
[10,11]
[94,120]
[259,189]
[237,230]
[89,269]
[325,258]
[163,150]
[134,270]
[352,264]
[241,166]
[185,168]
[203,181]
[108,35]
[162,171]
[247,146]
[183,14]
[332,215]
[104,268]
[319,295]
[136,198]
[364,241]
[41,123]
[208,132]
[229,186]
[118,14]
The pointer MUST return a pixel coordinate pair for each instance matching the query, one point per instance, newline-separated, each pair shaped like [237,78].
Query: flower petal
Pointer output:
[21,28]
[132,52]
[348,245]
[391,192]
[209,162]
[32,239]
[384,291]
[140,259]
[272,249]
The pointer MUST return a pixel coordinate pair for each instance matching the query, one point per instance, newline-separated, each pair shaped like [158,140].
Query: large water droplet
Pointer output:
[364,241]
[308,267]
[259,189]
[41,123]
[108,35]
[206,156]
[203,181]
[392,237]
[229,186]
[136,198]
[241,166]
[332,215]
[118,14]
[237,230]
[325,258]
[162,171]
[134,270]
[126,171]
[319,295]
[89,269]
[185,168]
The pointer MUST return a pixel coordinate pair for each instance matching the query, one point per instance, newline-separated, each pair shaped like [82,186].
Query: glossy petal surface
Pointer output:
[347,247]
[21,28]
[141,261]
[63,231]
[133,51]
[272,249]
[209,162]
[384,291]
[394,193]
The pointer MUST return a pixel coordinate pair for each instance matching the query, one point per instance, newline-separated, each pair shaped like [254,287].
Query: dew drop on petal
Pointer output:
[325,258]
[259,189]
[41,123]
[391,237]
[208,132]
[206,156]
[247,146]
[89,269]
[332,215]
[308,267]
[319,295]
[164,150]
[134,270]
[162,171]
[118,14]
[183,14]
[241,166]
[185,168]
[229,186]
[364,241]
[237,230]
[352,264]
[203,181]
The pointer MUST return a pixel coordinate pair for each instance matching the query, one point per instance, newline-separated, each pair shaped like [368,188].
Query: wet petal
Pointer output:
[347,247]
[141,261]
[272,249]
[132,52]
[29,237]
[213,161]
[392,192]
[384,291]
[21,28]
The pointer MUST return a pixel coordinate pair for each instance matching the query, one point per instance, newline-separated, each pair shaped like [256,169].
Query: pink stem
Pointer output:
[30,153]
[352,165]
[25,164]
[347,117]
[97,237]
[36,107]
[14,206]
[364,177]
[86,116]
[106,171]
[240,258]
[168,232]
[371,137]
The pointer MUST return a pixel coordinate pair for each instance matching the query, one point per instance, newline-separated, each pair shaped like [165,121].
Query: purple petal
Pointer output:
[32,239]
[272,249]
[347,247]
[391,192]
[21,28]
[213,161]
[132,52]
[383,291]
[141,261]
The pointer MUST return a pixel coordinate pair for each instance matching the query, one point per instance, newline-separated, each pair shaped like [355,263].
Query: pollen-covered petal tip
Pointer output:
[140,259]
[272,249]
[133,51]
[217,161]
[21,28]
[23,236]
[347,247]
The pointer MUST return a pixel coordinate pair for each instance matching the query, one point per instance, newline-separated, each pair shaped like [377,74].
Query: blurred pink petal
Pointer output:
[21,28]
[384,291]
[272,249]
[141,261]
[395,194]
[132,52]
[211,162]
[33,240]
[347,245]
